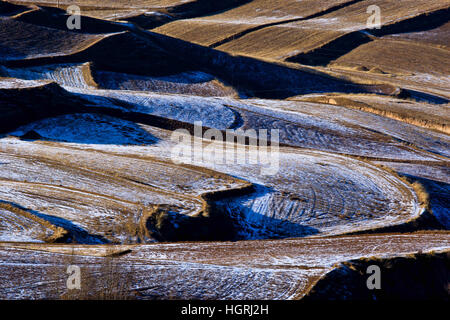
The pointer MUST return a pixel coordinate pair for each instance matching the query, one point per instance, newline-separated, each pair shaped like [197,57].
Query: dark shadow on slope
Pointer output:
[420,276]
[194,9]
[260,226]
[31,136]
[124,53]
[439,195]
[423,22]
[86,128]
[193,83]
[10,9]
[336,48]
[20,40]
[147,53]
[422,97]
[150,20]
[201,8]
[7,52]
[254,77]
[435,214]
[57,18]
[168,123]
[217,223]
[110,80]
[238,120]
[22,106]
[75,234]
[331,51]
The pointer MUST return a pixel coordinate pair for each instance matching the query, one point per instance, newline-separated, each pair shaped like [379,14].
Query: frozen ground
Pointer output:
[98,166]
[281,269]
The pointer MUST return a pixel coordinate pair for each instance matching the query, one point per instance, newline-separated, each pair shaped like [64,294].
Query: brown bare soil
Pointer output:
[413,277]
[434,117]
[92,175]
[281,269]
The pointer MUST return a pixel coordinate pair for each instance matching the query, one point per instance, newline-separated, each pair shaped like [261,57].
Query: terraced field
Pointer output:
[224,150]
[209,270]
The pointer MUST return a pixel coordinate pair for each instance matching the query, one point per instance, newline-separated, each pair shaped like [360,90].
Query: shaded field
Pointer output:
[419,114]
[277,206]
[346,282]
[336,154]
[171,56]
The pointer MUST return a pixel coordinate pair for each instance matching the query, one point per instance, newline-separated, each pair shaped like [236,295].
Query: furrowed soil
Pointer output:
[336,155]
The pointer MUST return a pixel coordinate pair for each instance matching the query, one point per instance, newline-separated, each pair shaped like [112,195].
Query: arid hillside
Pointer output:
[229,149]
